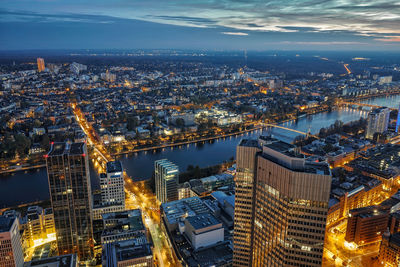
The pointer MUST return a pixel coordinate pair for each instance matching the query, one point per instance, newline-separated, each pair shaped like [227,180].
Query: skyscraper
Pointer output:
[112,184]
[40,64]
[281,205]
[11,254]
[70,194]
[377,122]
[398,120]
[166,179]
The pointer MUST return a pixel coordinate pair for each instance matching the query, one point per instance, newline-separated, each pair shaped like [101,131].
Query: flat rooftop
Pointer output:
[58,149]
[202,221]
[60,261]
[5,223]
[114,166]
[130,220]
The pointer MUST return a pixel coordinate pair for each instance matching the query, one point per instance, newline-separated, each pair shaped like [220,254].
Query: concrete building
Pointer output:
[48,218]
[366,225]
[70,194]
[166,178]
[34,225]
[389,252]
[204,230]
[281,205]
[11,254]
[134,252]
[377,122]
[112,184]
[120,226]
[69,260]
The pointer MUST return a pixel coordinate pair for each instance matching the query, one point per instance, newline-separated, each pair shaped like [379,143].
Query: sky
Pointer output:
[200,24]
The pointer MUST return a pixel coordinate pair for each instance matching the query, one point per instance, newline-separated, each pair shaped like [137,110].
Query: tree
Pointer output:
[180,122]
[23,144]
[45,143]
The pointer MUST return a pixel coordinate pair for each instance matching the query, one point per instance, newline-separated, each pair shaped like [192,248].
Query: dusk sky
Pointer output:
[200,24]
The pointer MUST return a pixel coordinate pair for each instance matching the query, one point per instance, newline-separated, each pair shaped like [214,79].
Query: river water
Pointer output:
[23,187]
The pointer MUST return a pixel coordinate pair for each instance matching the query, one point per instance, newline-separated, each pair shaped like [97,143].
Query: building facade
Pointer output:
[281,205]
[11,254]
[112,184]
[377,122]
[70,194]
[166,179]
[40,64]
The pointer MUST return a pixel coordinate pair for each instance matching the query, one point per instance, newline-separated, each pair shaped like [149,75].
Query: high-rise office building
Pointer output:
[11,254]
[70,194]
[40,64]
[398,120]
[281,205]
[166,178]
[377,122]
[112,184]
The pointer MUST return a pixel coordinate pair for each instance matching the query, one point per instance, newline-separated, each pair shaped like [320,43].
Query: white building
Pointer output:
[204,230]
[377,122]
[166,178]
[112,184]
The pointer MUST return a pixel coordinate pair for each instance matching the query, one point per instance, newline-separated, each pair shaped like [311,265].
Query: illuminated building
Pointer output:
[40,64]
[281,204]
[398,120]
[33,225]
[366,225]
[377,122]
[112,184]
[70,194]
[11,254]
[394,222]
[166,178]
[389,252]
[48,219]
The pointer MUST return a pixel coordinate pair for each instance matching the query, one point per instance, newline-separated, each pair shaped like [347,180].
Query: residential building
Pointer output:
[377,122]
[389,252]
[70,194]
[281,205]
[112,184]
[366,225]
[11,254]
[33,225]
[40,64]
[166,179]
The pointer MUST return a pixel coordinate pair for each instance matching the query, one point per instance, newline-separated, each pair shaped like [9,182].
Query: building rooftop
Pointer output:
[114,166]
[60,261]
[203,221]
[5,223]
[130,220]
[57,149]
[174,210]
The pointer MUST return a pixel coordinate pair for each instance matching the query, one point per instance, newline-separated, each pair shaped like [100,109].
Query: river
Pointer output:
[23,187]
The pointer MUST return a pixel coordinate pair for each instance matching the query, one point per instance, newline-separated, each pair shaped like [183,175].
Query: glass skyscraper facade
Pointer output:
[70,193]
[281,205]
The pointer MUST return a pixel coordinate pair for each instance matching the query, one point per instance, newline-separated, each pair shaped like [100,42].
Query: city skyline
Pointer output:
[221,25]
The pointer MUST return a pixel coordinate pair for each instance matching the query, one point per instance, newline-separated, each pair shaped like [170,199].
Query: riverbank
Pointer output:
[27,168]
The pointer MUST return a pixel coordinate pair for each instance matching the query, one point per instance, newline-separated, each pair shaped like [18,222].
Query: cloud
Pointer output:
[235,33]
[389,39]
[324,43]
